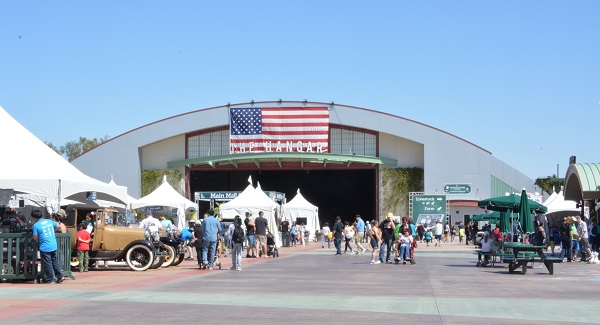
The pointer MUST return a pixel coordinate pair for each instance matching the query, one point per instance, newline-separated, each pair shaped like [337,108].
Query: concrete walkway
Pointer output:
[308,285]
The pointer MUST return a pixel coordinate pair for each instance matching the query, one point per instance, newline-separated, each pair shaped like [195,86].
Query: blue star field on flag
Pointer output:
[246,121]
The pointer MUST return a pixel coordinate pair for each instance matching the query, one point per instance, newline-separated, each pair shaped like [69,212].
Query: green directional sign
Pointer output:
[428,209]
[457,188]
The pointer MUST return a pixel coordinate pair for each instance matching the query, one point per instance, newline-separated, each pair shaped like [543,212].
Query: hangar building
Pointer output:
[338,160]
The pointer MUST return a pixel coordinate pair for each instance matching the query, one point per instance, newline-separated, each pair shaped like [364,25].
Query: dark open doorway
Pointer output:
[336,192]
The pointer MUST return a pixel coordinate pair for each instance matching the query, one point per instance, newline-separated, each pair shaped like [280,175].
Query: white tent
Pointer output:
[253,200]
[560,208]
[299,207]
[165,195]
[31,167]
[550,198]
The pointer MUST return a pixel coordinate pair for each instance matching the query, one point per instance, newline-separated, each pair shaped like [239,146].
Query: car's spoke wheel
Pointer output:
[169,259]
[139,257]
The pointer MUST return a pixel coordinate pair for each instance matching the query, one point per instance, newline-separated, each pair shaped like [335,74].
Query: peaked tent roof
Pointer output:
[37,169]
[250,197]
[560,208]
[299,202]
[551,197]
[165,195]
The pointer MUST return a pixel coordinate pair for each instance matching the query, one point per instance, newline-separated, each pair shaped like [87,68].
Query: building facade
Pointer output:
[344,179]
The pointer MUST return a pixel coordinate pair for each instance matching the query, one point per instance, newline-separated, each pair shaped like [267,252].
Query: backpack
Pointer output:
[238,235]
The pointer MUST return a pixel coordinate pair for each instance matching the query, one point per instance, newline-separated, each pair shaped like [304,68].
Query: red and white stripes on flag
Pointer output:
[279,129]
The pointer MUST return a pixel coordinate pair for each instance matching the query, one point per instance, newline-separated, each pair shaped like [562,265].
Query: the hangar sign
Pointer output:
[278,129]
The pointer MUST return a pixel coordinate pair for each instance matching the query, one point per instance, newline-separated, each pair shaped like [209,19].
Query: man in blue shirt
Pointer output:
[212,227]
[360,234]
[43,232]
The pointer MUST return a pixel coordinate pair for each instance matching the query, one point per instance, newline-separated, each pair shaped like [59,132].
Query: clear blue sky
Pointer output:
[518,78]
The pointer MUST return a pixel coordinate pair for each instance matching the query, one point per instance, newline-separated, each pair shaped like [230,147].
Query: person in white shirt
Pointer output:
[438,229]
[150,223]
[326,232]
[486,247]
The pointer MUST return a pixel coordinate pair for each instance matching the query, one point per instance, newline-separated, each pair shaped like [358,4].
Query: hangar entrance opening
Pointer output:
[336,192]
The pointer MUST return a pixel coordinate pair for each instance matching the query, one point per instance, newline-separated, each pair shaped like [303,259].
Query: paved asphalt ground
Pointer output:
[308,285]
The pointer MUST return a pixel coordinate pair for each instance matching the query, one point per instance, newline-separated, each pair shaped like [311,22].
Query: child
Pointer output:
[83,247]
[428,237]
[461,234]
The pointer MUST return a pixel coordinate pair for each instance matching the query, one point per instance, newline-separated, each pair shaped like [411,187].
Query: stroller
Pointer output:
[271,247]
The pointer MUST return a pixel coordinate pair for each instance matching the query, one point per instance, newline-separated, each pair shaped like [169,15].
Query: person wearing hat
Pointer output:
[338,233]
[43,233]
[150,222]
[387,227]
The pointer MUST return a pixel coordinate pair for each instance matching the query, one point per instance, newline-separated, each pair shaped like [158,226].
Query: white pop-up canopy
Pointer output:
[299,207]
[165,195]
[30,166]
[253,200]
[560,208]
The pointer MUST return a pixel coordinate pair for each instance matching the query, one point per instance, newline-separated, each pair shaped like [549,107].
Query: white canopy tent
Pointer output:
[299,207]
[253,200]
[32,167]
[560,208]
[165,195]
[550,198]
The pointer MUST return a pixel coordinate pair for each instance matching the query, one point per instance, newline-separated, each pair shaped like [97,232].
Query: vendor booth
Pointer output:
[300,210]
[165,195]
[253,200]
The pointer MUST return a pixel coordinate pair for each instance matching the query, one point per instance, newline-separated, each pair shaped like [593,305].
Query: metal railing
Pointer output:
[20,257]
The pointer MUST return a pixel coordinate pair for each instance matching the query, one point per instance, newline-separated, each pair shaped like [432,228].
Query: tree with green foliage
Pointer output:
[74,149]
[151,179]
[53,147]
[550,184]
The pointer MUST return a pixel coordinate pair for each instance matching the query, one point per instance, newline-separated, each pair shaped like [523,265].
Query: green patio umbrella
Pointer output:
[510,202]
[494,216]
[525,214]
[505,221]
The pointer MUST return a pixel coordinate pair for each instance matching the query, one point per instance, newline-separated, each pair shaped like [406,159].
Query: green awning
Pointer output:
[582,182]
[280,157]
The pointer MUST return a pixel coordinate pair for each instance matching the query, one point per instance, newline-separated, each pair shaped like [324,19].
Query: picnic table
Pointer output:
[522,254]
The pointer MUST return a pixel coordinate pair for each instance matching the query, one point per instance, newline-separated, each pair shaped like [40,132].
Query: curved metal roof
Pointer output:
[582,182]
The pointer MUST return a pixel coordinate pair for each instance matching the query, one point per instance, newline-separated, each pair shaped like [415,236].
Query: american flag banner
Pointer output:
[278,129]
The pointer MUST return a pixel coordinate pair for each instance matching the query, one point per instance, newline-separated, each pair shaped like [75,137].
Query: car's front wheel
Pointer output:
[139,257]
